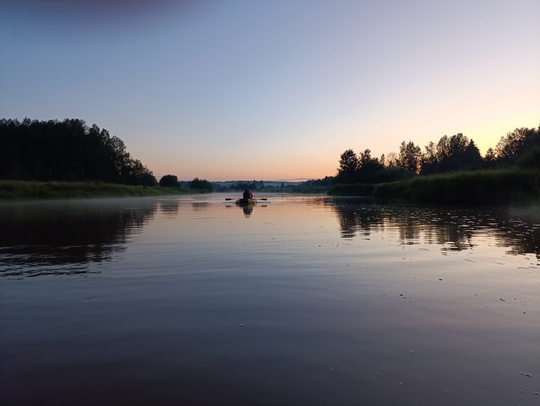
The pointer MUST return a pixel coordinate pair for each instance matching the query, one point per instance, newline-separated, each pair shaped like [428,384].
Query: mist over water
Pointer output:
[297,300]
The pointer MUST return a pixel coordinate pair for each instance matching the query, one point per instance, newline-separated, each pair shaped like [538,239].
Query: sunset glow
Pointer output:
[273,90]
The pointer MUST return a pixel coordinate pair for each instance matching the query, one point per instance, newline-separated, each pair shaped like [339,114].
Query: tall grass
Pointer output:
[468,187]
[15,190]
[308,190]
[355,189]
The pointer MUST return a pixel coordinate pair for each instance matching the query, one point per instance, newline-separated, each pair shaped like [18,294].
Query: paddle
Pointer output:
[262,198]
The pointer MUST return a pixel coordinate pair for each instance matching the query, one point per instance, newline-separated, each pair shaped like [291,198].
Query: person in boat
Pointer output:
[247,194]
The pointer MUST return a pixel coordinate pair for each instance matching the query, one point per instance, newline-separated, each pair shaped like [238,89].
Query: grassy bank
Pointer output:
[19,190]
[511,186]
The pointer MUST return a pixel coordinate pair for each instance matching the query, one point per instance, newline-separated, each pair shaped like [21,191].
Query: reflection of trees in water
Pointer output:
[453,228]
[356,216]
[360,221]
[199,206]
[169,207]
[63,238]
[523,225]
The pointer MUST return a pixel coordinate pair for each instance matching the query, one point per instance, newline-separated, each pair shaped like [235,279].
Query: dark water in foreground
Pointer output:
[305,300]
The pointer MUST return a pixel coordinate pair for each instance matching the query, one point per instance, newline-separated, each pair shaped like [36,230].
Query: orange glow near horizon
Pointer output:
[275,90]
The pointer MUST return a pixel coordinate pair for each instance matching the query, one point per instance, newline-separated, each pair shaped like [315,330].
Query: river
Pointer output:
[299,300]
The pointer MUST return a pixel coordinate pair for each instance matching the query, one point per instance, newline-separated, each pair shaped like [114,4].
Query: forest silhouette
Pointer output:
[451,171]
[70,151]
[519,148]
[66,151]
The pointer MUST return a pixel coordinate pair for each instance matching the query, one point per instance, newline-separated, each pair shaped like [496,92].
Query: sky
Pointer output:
[272,89]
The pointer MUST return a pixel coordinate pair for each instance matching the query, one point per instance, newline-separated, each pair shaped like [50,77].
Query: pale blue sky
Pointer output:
[273,89]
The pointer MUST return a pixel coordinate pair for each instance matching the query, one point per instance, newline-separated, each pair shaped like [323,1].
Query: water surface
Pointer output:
[301,300]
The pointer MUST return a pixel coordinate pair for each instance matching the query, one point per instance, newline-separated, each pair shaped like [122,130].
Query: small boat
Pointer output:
[246,202]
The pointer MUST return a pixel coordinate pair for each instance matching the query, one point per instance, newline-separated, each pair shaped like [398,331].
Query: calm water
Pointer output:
[303,301]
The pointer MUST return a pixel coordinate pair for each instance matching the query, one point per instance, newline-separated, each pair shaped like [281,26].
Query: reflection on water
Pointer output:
[454,229]
[169,207]
[305,300]
[62,237]
[199,206]
[247,210]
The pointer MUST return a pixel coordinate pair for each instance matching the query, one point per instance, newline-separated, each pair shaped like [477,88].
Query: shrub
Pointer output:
[169,181]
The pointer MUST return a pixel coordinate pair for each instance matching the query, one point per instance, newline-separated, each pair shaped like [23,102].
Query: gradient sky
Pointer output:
[275,89]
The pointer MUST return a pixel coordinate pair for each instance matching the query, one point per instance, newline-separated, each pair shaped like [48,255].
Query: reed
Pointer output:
[512,186]
[354,189]
[308,190]
[19,190]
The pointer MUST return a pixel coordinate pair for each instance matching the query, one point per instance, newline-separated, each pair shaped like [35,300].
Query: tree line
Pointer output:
[66,150]
[238,186]
[520,147]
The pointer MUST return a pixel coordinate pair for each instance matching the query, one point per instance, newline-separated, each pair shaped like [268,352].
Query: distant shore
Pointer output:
[28,190]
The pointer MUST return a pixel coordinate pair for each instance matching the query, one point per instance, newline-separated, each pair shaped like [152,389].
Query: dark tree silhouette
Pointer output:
[66,151]
[363,168]
[410,157]
[348,165]
[201,184]
[515,144]
[520,148]
[169,181]
[530,159]
[368,167]
[451,154]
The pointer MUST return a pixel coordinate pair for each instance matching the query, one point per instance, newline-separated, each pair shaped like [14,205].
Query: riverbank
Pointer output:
[508,186]
[23,190]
